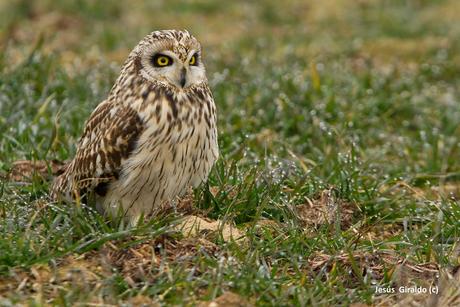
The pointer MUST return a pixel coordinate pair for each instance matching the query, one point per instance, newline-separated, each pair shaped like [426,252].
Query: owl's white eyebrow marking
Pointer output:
[168,53]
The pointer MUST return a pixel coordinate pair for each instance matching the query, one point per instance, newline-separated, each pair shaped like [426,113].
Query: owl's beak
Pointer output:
[183,78]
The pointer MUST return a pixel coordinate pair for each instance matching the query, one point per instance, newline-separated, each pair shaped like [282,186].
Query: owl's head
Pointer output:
[171,58]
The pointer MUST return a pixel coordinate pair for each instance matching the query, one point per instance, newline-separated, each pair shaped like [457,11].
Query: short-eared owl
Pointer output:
[153,137]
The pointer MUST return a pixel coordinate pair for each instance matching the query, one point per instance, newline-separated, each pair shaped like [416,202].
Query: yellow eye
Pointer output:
[193,60]
[160,60]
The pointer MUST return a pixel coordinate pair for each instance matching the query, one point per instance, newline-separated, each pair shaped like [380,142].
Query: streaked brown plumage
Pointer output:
[153,137]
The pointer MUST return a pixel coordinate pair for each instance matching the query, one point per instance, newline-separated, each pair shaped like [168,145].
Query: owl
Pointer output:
[153,138]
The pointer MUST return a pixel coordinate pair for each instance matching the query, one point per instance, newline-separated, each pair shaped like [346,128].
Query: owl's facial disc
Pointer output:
[167,67]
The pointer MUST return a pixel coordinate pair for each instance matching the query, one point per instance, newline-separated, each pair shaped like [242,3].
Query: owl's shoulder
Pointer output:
[109,137]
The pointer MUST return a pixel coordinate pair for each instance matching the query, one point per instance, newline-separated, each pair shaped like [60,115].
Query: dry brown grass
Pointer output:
[325,209]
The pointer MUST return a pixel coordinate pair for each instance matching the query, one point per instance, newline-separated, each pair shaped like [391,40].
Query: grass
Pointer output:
[338,131]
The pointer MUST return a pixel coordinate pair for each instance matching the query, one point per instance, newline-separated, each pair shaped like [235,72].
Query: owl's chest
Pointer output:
[177,146]
[176,150]
[176,124]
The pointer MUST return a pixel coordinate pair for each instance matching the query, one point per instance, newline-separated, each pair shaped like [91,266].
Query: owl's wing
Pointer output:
[109,137]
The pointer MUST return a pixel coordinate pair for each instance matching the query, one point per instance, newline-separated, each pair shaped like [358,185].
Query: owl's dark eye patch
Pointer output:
[161,60]
[194,60]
